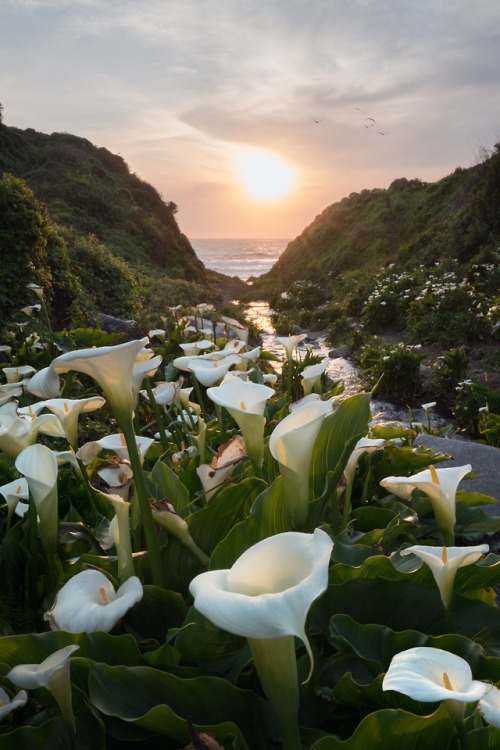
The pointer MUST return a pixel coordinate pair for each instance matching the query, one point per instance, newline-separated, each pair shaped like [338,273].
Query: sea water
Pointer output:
[239,257]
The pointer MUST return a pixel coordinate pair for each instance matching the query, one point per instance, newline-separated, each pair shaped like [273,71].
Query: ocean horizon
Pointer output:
[239,257]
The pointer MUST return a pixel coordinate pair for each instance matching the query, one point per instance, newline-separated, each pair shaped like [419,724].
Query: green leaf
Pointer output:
[268,516]
[168,485]
[161,703]
[337,437]
[397,730]
[230,505]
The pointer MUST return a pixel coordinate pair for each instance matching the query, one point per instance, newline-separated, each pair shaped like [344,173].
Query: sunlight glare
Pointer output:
[265,176]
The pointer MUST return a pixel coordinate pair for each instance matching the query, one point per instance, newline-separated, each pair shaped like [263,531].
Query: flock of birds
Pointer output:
[368,122]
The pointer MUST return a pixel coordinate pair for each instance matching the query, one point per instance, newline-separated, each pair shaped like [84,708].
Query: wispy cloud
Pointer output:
[177,86]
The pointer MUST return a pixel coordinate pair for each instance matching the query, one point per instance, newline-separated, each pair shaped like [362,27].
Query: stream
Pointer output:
[259,313]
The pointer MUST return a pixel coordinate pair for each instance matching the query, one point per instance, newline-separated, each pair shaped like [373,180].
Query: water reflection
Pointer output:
[259,313]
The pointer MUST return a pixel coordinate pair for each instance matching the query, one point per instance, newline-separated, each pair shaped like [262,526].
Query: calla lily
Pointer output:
[291,444]
[118,476]
[431,674]
[265,597]
[444,563]
[311,376]
[116,443]
[196,347]
[269,589]
[164,515]
[39,466]
[54,675]
[88,602]
[211,371]
[112,367]
[14,492]
[246,403]
[15,374]
[364,445]
[440,485]
[489,707]
[19,430]
[37,289]
[164,393]
[235,327]
[121,536]
[67,411]
[8,704]
[213,475]
[290,343]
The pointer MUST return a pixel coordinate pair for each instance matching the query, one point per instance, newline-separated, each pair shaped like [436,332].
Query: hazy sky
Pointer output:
[185,89]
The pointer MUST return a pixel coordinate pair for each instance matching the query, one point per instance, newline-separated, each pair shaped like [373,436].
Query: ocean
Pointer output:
[243,258]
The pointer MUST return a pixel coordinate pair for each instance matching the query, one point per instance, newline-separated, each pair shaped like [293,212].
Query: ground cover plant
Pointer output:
[200,551]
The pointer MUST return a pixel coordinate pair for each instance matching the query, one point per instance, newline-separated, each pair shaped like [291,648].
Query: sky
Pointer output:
[253,116]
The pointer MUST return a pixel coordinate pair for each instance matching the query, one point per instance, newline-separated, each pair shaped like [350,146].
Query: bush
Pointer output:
[395,370]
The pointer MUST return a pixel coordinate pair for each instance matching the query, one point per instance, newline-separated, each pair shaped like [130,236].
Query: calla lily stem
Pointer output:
[148,525]
[276,666]
[157,415]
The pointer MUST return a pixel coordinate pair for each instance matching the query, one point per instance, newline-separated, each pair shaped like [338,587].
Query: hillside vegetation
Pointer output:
[98,238]
[412,222]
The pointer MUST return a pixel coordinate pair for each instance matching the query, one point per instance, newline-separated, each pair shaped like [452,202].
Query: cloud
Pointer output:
[176,87]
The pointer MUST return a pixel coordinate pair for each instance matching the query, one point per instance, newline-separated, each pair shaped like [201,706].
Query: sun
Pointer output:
[265,177]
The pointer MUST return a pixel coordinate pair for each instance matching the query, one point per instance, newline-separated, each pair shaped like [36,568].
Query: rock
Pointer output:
[130,328]
[341,351]
[484,460]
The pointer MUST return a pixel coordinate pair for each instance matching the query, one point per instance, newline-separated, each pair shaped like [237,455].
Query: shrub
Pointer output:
[395,370]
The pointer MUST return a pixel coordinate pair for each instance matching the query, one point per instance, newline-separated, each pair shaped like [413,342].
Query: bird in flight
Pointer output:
[373,122]
[386,133]
[316,121]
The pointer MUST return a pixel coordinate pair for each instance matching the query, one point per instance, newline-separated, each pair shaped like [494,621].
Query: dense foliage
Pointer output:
[77,220]
[227,568]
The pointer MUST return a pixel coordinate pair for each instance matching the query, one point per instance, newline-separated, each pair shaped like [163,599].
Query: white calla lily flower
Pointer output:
[193,348]
[20,429]
[290,343]
[311,376]
[19,373]
[121,536]
[440,485]
[364,445]
[489,707]
[432,674]
[291,444]
[116,443]
[210,371]
[38,464]
[53,674]
[8,704]
[268,591]
[67,411]
[214,474]
[444,563]
[14,492]
[265,597]
[88,602]
[119,370]
[246,403]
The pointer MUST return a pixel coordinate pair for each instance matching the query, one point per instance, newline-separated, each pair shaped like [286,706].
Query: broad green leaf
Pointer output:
[210,525]
[268,516]
[162,703]
[408,605]
[103,647]
[337,437]
[169,486]
[397,730]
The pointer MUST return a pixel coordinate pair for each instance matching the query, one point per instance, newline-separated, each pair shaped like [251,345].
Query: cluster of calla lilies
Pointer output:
[267,580]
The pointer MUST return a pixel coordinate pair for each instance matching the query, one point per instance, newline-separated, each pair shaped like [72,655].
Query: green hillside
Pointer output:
[456,218]
[74,218]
